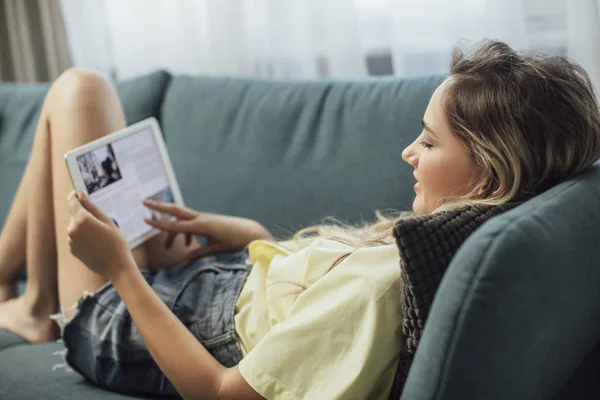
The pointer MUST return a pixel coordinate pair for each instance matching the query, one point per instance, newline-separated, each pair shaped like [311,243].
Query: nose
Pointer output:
[410,156]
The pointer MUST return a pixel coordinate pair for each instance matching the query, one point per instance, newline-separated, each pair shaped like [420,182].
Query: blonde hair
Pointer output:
[529,121]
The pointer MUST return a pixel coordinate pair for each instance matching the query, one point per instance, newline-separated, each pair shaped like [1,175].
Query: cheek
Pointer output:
[443,176]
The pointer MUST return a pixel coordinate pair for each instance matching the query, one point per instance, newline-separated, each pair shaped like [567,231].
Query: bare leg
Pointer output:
[13,236]
[27,316]
[84,110]
[86,113]
[80,107]
[29,235]
[12,255]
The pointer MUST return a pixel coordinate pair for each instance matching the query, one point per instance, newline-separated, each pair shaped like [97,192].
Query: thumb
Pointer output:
[205,251]
[93,209]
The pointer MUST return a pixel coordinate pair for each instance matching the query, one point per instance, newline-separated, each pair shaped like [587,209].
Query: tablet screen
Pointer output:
[119,175]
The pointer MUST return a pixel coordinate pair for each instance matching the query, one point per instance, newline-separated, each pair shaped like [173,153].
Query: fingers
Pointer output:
[171,209]
[73,204]
[173,226]
[72,225]
[93,209]
[170,239]
[76,209]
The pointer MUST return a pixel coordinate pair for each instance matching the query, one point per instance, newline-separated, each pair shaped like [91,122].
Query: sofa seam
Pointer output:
[163,95]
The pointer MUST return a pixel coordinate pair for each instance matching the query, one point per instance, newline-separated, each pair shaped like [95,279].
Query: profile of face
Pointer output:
[442,166]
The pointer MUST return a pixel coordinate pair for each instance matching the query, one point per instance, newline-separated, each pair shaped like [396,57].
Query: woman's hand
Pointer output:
[95,239]
[223,232]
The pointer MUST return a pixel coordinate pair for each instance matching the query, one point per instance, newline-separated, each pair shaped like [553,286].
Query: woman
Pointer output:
[302,323]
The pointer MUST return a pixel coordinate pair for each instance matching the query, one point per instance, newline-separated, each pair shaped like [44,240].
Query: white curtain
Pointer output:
[318,38]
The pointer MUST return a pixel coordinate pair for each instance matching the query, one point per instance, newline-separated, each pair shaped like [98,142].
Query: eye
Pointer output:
[426,145]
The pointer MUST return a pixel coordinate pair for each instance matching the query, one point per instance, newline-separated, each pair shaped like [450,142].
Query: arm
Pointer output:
[188,365]
[223,232]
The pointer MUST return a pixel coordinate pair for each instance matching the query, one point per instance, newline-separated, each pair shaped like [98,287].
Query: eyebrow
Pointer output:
[428,129]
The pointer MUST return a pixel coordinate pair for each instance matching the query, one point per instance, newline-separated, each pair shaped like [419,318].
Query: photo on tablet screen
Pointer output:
[99,168]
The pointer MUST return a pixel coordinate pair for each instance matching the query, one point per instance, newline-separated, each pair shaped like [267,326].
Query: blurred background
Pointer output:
[281,38]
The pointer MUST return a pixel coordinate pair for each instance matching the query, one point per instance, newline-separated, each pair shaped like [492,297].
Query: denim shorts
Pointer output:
[103,344]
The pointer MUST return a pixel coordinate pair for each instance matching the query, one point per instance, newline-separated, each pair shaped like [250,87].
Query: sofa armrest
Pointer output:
[517,311]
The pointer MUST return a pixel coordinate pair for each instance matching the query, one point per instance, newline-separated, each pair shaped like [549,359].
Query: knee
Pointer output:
[79,87]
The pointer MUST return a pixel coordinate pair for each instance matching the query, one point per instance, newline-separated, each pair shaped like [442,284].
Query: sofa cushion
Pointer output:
[517,310]
[20,107]
[7,340]
[142,97]
[26,373]
[427,244]
[290,153]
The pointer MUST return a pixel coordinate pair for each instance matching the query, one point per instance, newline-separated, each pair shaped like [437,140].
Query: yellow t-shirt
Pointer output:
[339,339]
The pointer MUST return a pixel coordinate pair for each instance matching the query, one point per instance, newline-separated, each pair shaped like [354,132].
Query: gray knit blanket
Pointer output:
[427,244]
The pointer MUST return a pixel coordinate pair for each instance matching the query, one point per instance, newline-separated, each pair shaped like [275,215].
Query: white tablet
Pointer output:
[120,170]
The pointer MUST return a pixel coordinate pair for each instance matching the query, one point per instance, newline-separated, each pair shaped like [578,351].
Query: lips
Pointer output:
[415,176]
[417,185]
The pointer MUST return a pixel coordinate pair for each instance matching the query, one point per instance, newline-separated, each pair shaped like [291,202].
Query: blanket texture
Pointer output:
[427,244]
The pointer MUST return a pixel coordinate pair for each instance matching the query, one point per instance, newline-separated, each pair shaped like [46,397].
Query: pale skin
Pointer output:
[49,226]
[443,166]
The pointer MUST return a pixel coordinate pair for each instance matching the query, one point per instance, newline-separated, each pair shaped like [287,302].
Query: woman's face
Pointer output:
[443,167]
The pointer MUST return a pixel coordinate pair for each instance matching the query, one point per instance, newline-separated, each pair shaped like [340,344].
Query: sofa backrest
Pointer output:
[20,107]
[291,153]
[519,308]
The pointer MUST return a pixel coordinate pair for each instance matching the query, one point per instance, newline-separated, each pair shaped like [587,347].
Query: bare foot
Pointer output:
[7,291]
[16,316]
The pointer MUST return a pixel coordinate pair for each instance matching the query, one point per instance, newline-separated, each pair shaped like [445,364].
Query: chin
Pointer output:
[420,207]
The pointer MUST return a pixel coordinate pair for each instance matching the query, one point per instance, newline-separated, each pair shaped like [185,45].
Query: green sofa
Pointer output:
[517,315]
